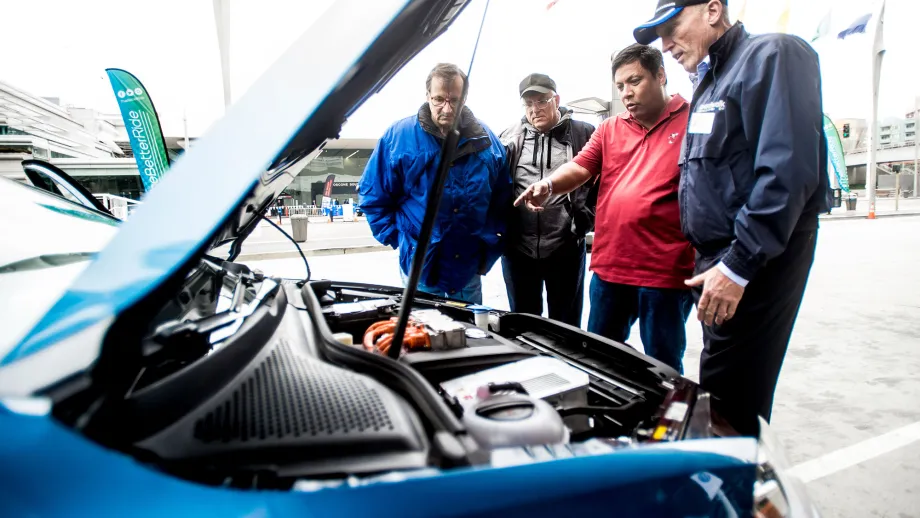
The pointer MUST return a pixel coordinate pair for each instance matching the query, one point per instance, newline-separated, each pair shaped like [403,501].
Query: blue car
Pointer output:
[144,374]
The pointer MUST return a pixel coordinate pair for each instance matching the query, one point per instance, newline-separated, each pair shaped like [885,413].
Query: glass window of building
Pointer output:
[334,173]
[6,130]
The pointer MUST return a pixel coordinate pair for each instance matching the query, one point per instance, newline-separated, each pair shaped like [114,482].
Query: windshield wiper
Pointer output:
[448,151]
[41,262]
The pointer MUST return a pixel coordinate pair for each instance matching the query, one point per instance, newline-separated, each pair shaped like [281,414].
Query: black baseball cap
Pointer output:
[667,9]
[537,83]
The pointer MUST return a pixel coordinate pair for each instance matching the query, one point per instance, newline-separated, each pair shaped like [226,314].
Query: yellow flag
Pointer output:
[783,22]
[740,16]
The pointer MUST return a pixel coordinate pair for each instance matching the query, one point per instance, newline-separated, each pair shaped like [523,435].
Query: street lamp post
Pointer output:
[878,52]
[916,139]
[897,185]
[616,103]
[222,21]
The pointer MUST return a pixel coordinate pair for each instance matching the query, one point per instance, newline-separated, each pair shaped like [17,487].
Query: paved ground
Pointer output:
[884,207]
[340,237]
[848,403]
[323,238]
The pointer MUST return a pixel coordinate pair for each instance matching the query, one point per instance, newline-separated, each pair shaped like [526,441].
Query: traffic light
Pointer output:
[846,131]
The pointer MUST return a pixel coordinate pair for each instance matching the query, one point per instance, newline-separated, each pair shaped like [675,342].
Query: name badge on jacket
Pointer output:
[702,119]
[701,123]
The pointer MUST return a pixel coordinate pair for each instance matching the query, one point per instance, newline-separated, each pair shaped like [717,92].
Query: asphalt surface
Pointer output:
[848,402]
[323,238]
[341,237]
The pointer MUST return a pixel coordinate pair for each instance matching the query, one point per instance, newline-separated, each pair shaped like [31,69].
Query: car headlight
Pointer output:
[776,492]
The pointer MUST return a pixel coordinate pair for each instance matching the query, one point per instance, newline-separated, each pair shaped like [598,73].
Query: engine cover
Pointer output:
[298,414]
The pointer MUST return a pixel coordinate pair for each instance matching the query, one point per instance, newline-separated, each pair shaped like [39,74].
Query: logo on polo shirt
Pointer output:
[673,138]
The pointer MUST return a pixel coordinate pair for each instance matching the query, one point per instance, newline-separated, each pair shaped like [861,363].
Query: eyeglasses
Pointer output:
[440,101]
[540,104]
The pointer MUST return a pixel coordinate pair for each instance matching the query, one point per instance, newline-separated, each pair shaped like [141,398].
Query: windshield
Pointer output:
[48,242]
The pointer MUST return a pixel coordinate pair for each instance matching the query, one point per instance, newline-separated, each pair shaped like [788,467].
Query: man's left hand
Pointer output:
[720,298]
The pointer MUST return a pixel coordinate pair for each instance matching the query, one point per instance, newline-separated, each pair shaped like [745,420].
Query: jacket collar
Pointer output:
[469,125]
[722,49]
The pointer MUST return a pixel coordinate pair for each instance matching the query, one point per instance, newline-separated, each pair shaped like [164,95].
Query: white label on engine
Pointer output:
[676,412]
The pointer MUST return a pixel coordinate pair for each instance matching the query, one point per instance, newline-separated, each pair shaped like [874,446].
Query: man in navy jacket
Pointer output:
[468,236]
[753,181]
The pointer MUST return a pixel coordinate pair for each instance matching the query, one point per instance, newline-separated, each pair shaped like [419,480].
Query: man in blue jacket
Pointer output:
[753,182]
[393,192]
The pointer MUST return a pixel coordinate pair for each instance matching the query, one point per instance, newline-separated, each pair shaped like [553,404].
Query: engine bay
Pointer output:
[599,389]
[255,382]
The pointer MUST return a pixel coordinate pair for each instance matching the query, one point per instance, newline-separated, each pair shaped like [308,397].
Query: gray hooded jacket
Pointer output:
[533,156]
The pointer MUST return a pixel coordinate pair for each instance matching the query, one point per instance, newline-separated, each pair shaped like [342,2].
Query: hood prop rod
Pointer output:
[448,152]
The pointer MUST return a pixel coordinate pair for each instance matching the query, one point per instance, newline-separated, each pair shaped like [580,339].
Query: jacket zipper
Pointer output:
[694,102]
[540,230]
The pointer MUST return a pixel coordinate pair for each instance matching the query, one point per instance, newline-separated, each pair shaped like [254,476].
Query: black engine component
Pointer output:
[292,414]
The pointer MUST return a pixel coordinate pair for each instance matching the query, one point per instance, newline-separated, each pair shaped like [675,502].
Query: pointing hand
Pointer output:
[535,195]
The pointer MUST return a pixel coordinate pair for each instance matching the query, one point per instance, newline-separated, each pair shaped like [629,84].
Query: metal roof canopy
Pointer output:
[590,105]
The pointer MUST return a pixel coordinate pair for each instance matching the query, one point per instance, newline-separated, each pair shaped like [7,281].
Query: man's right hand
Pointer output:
[535,196]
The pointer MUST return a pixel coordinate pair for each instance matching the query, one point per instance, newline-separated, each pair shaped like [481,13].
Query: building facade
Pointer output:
[35,127]
[334,173]
[94,149]
[896,138]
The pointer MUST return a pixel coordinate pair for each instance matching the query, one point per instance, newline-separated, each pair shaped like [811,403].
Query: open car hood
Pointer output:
[244,162]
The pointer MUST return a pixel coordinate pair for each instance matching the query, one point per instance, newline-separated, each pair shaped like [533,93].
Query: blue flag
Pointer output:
[142,124]
[859,26]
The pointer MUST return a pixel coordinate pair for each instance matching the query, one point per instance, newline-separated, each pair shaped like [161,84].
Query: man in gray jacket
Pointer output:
[547,247]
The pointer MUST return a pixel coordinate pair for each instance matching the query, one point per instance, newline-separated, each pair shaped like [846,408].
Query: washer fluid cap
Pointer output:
[514,420]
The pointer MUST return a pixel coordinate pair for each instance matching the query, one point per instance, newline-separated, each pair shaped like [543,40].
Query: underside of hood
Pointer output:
[244,162]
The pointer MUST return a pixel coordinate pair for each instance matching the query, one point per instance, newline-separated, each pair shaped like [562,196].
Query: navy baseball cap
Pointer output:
[667,9]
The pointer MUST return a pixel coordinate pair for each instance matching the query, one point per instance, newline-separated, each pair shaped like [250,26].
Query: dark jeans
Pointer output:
[471,293]
[563,272]
[742,358]
[662,315]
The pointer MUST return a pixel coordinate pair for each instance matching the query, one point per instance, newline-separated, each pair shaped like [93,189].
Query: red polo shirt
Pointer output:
[638,240]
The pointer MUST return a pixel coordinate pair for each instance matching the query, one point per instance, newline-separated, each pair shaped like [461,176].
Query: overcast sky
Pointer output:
[61,49]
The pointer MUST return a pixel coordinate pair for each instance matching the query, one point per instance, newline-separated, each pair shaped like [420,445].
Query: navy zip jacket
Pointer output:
[468,236]
[754,163]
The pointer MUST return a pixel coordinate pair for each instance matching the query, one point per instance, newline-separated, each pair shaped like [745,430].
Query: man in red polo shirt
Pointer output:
[640,257]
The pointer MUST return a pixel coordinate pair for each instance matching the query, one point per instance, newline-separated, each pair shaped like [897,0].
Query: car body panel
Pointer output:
[56,241]
[98,482]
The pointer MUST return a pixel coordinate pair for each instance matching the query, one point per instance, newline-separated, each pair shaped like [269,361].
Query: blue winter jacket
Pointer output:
[468,236]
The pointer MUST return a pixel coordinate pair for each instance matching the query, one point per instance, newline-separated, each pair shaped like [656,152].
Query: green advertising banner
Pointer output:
[835,159]
[142,124]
